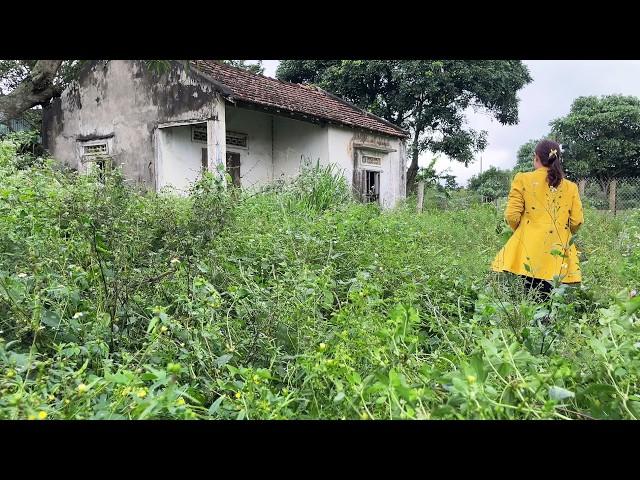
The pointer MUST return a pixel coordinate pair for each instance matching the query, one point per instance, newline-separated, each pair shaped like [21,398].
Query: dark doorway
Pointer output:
[204,160]
[233,167]
[372,186]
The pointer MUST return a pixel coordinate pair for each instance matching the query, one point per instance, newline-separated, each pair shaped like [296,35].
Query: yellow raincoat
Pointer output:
[543,220]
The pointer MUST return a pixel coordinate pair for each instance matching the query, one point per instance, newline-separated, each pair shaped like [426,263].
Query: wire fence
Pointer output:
[610,195]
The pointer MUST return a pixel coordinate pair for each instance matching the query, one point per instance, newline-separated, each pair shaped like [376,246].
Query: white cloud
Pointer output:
[270,67]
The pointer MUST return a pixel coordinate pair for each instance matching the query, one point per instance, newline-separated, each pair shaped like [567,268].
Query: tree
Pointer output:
[251,67]
[25,84]
[524,161]
[491,184]
[442,181]
[601,137]
[428,98]
[35,88]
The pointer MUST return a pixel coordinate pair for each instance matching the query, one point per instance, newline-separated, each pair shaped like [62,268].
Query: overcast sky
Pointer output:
[556,83]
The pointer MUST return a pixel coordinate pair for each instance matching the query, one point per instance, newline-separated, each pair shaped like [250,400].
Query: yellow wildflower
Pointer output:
[42,414]
[181,401]
[238,394]
[141,393]
[471,378]
[82,388]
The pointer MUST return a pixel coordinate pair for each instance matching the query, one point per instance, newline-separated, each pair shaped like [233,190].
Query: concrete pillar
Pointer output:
[420,202]
[217,141]
[612,195]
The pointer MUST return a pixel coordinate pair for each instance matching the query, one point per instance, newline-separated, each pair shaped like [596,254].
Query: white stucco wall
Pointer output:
[179,158]
[341,150]
[294,141]
[256,161]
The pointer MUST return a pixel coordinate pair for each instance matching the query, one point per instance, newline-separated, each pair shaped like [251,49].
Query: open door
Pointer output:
[372,186]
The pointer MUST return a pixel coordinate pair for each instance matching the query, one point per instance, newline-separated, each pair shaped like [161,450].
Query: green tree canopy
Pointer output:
[427,97]
[493,183]
[524,161]
[443,180]
[601,137]
[257,67]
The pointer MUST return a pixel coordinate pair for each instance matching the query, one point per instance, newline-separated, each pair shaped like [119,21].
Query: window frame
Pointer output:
[241,134]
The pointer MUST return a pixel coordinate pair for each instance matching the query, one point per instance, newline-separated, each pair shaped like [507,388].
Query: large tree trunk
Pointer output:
[36,89]
[413,170]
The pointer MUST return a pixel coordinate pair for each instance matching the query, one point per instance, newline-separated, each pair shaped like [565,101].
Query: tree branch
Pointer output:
[36,89]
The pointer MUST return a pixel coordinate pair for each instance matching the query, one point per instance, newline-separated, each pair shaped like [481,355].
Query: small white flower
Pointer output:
[22,275]
[633,293]
[78,314]
[174,260]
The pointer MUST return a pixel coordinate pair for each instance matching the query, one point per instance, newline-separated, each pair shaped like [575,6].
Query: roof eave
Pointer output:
[296,115]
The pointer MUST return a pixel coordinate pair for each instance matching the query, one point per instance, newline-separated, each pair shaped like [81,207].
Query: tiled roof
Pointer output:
[293,97]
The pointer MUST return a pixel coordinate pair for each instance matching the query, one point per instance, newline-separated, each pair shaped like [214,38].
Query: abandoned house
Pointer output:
[165,128]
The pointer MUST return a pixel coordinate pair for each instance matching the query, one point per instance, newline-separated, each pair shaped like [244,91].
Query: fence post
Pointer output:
[420,197]
[612,195]
[582,185]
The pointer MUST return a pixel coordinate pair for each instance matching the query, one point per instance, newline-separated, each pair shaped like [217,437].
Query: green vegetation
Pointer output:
[294,303]
[491,184]
[600,137]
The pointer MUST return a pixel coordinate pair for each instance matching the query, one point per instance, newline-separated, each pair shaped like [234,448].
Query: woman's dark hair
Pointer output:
[549,153]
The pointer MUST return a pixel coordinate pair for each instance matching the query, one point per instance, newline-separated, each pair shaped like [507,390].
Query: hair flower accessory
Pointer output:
[553,153]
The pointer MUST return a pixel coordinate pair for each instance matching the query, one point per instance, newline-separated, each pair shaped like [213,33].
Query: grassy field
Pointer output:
[295,303]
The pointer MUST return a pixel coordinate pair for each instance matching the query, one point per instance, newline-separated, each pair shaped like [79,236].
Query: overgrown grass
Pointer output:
[294,303]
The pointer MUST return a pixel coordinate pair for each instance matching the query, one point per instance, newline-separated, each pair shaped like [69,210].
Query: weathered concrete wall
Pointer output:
[123,100]
[256,161]
[294,142]
[345,145]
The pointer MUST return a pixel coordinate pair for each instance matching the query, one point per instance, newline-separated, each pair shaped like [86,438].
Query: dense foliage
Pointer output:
[491,184]
[294,303]
[601,137]
[524,157]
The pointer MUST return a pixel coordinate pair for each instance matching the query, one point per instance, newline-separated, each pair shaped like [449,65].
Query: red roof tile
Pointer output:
[293,97]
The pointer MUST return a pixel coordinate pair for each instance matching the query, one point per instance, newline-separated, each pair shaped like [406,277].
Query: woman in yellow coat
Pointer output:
[544,211]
